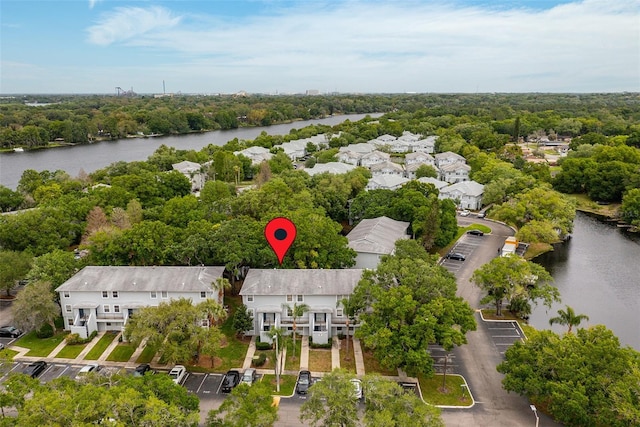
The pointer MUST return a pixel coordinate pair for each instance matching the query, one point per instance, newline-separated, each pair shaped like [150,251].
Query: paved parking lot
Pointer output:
[504,334]
[466,245]
[438,354]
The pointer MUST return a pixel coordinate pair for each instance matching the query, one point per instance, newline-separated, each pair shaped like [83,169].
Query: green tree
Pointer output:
[630,208]
[512,278]
[426,171]
[9,200]
[295,312]
[247,406]
[568,318]
[242,320]
[14,266]
[35,306]
[331,402]
[388,405]
[583,379]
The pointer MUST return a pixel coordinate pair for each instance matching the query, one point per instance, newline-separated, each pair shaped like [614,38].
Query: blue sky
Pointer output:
[277,46]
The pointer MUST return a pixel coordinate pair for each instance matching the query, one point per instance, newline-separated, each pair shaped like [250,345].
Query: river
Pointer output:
[598,274]
[91,157]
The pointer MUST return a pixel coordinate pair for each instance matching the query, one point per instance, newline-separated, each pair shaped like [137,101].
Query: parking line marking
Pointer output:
[202,382]
[506,336]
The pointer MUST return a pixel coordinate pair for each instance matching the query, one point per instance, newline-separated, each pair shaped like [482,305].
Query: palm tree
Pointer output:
[350,310]
[569,318]
[298,310]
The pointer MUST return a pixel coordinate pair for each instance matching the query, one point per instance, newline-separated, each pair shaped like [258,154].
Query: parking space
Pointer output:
[6,342]
[439,354]
[466,245]
[504,334]
[203,384]
[57,370]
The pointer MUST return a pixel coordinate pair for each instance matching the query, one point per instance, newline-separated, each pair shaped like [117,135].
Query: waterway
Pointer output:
[90,157]
[598,274]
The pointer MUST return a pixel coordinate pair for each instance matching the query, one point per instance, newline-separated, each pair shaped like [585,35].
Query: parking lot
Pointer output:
[439,354]
[466,245]
[504,334]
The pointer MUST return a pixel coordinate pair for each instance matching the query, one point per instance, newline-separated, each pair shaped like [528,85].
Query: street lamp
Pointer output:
[535,412]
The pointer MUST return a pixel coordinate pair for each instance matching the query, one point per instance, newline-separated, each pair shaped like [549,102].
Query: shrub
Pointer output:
[45,331]
[263,345]
[327,345]
[259,360]
[74,339]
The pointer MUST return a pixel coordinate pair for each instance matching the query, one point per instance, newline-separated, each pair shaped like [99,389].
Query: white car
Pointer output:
[464,213]
[92,367]
[178,373]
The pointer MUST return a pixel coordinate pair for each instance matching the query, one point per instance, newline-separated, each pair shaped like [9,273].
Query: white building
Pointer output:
[334,168]
[454,172]
[350,157]
[264,292]
[466,194]
[447,158]
[386,168]
[436,182]
[193,172]
[373,158]
[386,182]
[257,154]
[373,238]
[103,298]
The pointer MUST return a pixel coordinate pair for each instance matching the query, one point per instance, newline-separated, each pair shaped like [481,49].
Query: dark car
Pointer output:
[142,369]
[455,255]
[10,331]
[303,383]
[231,379]
[34,369]
[475,232]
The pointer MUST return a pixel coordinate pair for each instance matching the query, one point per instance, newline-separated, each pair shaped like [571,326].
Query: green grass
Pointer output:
[291,362]
[232,355]
[490,314]
[455,395]
[7,354]
[101,346]
[122,352]
[40,347]
[147,354]
[70,351]
[371,365]
[287,384]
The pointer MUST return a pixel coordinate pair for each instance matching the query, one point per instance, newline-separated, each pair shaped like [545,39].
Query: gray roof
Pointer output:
[468,188]
[187,166]
[174,279]
[334,168]
[377,235]
[428,180]
[301,282]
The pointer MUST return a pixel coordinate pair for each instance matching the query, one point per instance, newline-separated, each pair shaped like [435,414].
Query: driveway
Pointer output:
[478,359]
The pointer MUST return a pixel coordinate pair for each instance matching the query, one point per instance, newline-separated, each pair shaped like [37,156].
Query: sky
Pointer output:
[345,46]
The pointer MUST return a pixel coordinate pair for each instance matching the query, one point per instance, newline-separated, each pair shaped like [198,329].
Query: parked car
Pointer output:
[34,369]
[231,379]
[357,388]
[142,369]
[481,215]
[303,383]
[464,212]
[250,376]
[178,373]
[10,331]
[92,367]
[475,232]
[455,255]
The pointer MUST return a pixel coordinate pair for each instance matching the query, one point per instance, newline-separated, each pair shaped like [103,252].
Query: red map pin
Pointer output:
[280,233]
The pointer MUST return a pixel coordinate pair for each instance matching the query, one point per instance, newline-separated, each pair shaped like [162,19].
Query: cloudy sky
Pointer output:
[277,46]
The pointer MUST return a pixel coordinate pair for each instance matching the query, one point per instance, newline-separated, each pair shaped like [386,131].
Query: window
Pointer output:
[300,298]
[67,308]
[70,321]
[114,294]
[66,294]
[116,309]
[106,308]
[105,294]
[289,312]
[164,294]
[249,298]
[203,294]
[154,295]
[289,298]
[339,312]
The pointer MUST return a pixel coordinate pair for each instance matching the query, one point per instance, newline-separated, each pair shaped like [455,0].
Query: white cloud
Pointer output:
[92,3]
[126,23]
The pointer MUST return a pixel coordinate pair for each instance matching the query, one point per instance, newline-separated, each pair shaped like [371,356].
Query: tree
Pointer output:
[582,379]
[426,171]
[568,318]
[331,402]
[247,406]
[13,267]
[630,208]
[351,309]
[242,320]
[9,200]
[296,311]
[35,306]
[388,405]
[513,278]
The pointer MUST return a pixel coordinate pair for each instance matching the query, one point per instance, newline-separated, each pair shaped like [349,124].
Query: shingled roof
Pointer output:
[377,235]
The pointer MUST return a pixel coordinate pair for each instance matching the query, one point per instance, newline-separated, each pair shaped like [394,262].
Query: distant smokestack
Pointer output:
[163,89]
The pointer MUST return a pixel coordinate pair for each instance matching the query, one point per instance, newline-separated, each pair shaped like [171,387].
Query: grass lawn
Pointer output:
[270,363]
[371,365]
[319,360]
[293,363]
[147,354]
[536,249]
[348,363]
[40,347]
[71,351]
[490,314]
[287,384]
[122,352]
[232,355]
[101,346]
[455,394]
[7,354]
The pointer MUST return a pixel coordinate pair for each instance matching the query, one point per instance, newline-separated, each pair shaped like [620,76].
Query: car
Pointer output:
[464,212]
[142,369]
[231,379]
[35,368]
[455,255]
[10,331]
[357,388]
[250,376]
[92,367]
[178,373]
[303,383]
[475,232]
[481,215]
[1,346]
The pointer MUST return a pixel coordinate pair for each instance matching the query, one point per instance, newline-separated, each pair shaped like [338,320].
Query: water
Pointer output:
[598,274]
[91,157]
